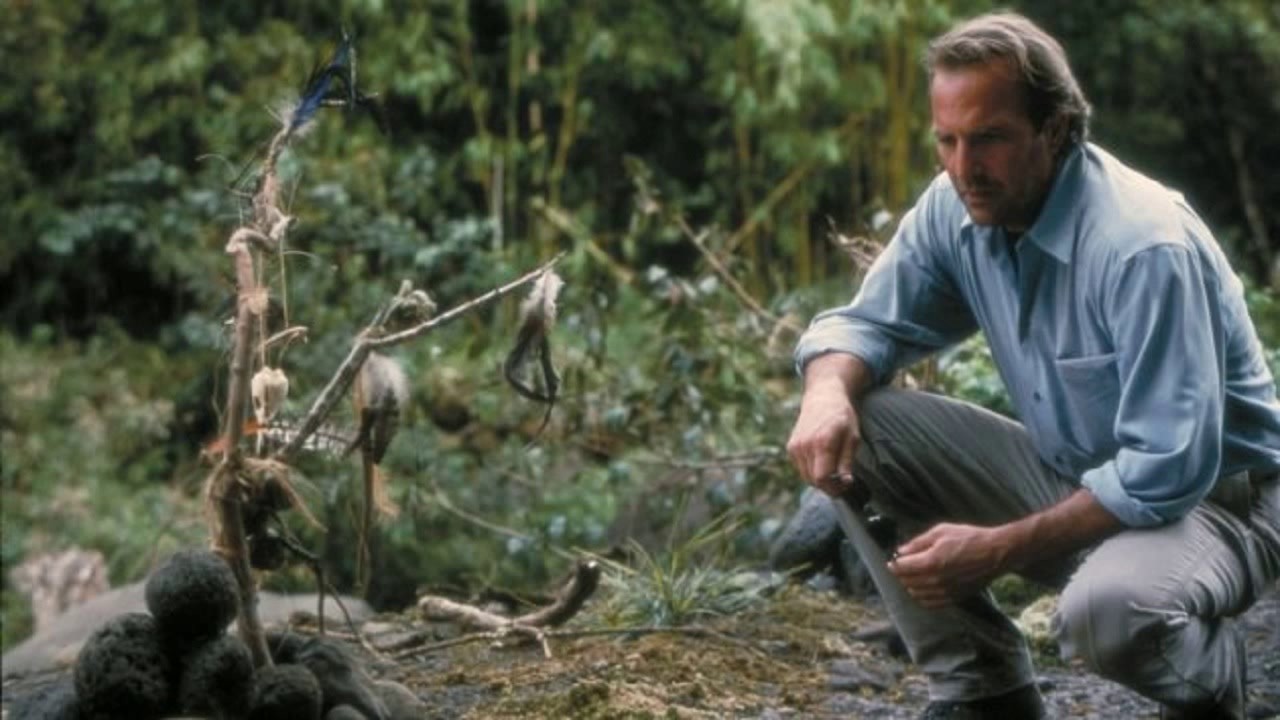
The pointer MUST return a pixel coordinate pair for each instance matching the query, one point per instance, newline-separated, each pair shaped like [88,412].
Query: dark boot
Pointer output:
[1024,703]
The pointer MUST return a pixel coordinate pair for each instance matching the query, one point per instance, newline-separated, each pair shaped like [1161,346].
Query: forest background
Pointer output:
[665,146]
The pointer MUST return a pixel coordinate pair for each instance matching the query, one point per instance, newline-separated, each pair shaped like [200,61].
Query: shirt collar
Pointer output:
[1053,230]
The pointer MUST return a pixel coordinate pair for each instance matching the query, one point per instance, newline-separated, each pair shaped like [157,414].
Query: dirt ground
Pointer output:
[798,656]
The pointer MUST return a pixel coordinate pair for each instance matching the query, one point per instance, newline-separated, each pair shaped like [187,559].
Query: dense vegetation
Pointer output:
[626,133]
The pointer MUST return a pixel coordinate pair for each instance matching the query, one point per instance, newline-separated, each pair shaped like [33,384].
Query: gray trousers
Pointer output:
[1148,608]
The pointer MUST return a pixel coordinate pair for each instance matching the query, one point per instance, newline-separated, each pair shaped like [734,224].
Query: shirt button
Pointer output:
[1036,396]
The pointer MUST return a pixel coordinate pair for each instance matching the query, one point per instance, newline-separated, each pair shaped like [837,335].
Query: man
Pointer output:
[1142,476]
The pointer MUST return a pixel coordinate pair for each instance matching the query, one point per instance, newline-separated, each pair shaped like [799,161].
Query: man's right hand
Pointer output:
[826,434]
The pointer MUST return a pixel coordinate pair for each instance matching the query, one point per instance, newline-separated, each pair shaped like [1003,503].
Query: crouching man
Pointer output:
[1143,474]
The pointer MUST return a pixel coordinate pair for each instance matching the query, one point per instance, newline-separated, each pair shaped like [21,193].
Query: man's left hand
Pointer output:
[949,562]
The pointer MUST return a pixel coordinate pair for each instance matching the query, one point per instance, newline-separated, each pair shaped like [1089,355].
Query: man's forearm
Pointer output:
[1077,522]
[849,373]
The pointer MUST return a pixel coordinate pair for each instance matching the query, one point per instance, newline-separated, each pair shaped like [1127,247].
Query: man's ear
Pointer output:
[1055,130]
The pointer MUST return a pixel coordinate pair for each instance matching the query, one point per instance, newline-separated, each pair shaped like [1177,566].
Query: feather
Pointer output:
[318,87]
[538,315]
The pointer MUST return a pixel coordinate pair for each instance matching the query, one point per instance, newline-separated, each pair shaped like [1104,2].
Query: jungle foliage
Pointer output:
[625,133]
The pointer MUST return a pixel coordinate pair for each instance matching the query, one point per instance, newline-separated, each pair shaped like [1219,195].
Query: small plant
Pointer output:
[687,583]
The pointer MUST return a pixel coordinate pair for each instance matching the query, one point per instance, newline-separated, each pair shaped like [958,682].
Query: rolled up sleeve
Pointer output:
[1168,426]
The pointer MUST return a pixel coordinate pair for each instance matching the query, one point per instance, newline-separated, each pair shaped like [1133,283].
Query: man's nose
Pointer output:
[965,162]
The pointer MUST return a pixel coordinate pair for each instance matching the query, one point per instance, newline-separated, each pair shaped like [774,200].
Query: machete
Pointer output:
[907,615]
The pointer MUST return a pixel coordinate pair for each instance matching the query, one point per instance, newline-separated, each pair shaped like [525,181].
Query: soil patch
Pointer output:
[796,657]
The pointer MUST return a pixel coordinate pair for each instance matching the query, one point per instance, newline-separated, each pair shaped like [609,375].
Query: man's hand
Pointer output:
[824,440]
[826,434]
[949,562]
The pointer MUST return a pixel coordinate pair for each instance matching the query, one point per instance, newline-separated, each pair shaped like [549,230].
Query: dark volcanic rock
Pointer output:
[811,537]
[342,681]
[193,597]
[401,702]
[284,646]
[52,702]
[123,671]
[285,692]
[344,712]
[217,679]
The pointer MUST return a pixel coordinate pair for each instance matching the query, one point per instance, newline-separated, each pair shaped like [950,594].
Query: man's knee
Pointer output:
[884,406]
[1108,623]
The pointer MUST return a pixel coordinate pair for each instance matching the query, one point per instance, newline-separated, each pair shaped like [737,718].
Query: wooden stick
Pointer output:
[230,538]
[570,599]
[456,312]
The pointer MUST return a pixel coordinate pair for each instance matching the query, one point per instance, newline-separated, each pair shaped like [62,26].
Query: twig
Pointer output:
[495,635]
[456,312]
[433,607]
[448,505]
[570,599]
[364,344]
[286,335]
[317,568]
[727,277]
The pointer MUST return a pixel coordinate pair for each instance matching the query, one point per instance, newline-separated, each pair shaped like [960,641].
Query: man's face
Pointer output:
[999,163]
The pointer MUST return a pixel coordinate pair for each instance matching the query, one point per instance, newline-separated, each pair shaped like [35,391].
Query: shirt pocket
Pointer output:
[1091,393]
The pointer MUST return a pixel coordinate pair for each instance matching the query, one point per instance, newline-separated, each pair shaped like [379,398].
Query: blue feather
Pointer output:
[317,87]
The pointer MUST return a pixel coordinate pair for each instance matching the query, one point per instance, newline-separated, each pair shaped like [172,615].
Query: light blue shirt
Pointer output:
[1115,322]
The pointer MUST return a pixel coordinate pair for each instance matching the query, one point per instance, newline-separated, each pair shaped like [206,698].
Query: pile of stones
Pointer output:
[179,660]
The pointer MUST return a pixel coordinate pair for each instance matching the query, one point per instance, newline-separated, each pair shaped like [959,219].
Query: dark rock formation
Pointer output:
[123,671]
[401,702]
[811,537]
[57,701]
[284,646]
[285,692]
[342,680]
[344,712]
[217,679]
[193,597]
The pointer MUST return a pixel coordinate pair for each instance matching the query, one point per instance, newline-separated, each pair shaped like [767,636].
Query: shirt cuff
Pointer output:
[1107,488]
[836,334]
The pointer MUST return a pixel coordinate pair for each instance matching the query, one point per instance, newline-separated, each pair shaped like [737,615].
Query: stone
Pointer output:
[285,692]
[400,701]
[193,596]
[342,680]
[217,679]
[57,701]
[123,671]
[811,536]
